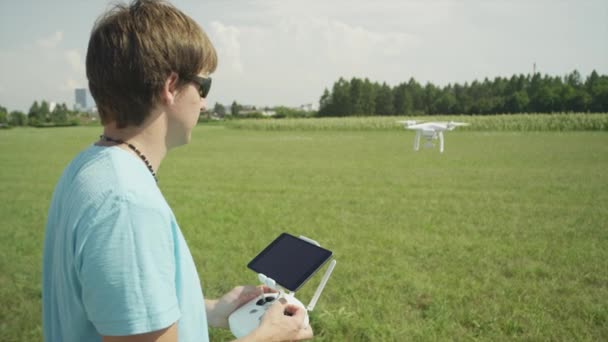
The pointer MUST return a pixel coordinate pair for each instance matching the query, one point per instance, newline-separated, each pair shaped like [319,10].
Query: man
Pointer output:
[116,265]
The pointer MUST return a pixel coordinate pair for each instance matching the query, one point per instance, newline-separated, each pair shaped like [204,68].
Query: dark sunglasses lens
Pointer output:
[205,87]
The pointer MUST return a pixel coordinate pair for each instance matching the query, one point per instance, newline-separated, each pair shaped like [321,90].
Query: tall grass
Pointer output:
[516,122]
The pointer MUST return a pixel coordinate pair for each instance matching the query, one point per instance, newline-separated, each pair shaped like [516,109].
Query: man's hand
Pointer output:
[218,310]
[282,322]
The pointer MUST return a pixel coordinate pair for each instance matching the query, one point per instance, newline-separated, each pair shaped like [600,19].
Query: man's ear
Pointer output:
[169,91]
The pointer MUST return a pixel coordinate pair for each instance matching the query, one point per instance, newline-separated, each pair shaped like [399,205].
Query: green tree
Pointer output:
[45,112]
[384,100]
[235,108]
[4,118]
[356,96]
[417,93]
[516,83]
[368,98]
[33,115]
[341,98]
[517,102]
[325,104]
[402,99]
[546,100]
[591,81]
[219,110]
[17,118]
[515,94]
[430,95]
[597,88]
[573,99]
[574,79]
[463,99]
[59,115]
[446,103]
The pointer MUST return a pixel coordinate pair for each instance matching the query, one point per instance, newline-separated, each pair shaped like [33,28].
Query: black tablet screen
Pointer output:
[290,261]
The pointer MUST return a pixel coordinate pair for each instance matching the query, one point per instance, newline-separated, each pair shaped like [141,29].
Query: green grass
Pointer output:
[503,236]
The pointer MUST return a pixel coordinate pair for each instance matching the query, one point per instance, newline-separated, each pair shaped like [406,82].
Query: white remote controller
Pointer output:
[249,316]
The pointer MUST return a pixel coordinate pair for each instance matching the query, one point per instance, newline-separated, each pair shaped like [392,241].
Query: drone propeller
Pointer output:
[452,124]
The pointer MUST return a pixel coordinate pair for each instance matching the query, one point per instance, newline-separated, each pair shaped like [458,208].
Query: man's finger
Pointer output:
[266,289]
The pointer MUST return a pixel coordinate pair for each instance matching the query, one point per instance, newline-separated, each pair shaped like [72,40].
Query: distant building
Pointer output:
[81,98]
[268,112]
[250,109]
[307,107]
[84,100]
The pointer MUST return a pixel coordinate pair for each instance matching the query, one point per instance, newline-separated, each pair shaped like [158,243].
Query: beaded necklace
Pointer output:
[141,155]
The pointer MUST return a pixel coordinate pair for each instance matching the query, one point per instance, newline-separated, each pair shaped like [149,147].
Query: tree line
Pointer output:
[238,111]
[41,114]
[517,94]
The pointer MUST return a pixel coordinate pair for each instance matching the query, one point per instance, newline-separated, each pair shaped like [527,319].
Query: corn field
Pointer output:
[511,122]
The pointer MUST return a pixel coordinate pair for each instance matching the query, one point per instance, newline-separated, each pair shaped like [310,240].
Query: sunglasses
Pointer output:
[204,84]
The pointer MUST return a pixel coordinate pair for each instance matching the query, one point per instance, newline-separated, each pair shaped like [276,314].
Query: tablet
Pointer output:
[290,261]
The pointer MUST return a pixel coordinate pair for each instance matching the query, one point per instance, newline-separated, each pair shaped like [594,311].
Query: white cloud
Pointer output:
[70,84]
[357,45]
[53,70]
[51,41]
[285,52]
[75,61]
[291,59]
[226,41]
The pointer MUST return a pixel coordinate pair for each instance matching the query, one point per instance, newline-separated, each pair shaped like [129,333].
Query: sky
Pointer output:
[285,52]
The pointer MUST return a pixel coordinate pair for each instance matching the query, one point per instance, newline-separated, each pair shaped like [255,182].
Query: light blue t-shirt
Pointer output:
[115,260]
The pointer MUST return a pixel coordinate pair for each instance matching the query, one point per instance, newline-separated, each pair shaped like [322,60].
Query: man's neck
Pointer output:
[149,139]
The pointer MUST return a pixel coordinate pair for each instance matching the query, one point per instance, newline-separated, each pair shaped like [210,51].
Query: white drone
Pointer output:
[430,131]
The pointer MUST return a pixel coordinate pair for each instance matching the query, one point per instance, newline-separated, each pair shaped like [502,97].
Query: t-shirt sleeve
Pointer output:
[125,262]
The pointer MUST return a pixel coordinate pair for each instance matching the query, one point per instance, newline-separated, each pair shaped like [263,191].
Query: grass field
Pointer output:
[504,236]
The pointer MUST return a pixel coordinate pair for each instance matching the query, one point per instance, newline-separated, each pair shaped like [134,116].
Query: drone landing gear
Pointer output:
[429,140]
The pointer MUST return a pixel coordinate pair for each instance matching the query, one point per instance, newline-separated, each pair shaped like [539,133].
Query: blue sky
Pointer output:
[282,52]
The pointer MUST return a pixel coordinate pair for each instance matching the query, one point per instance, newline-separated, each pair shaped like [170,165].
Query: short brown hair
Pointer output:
[132,51]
